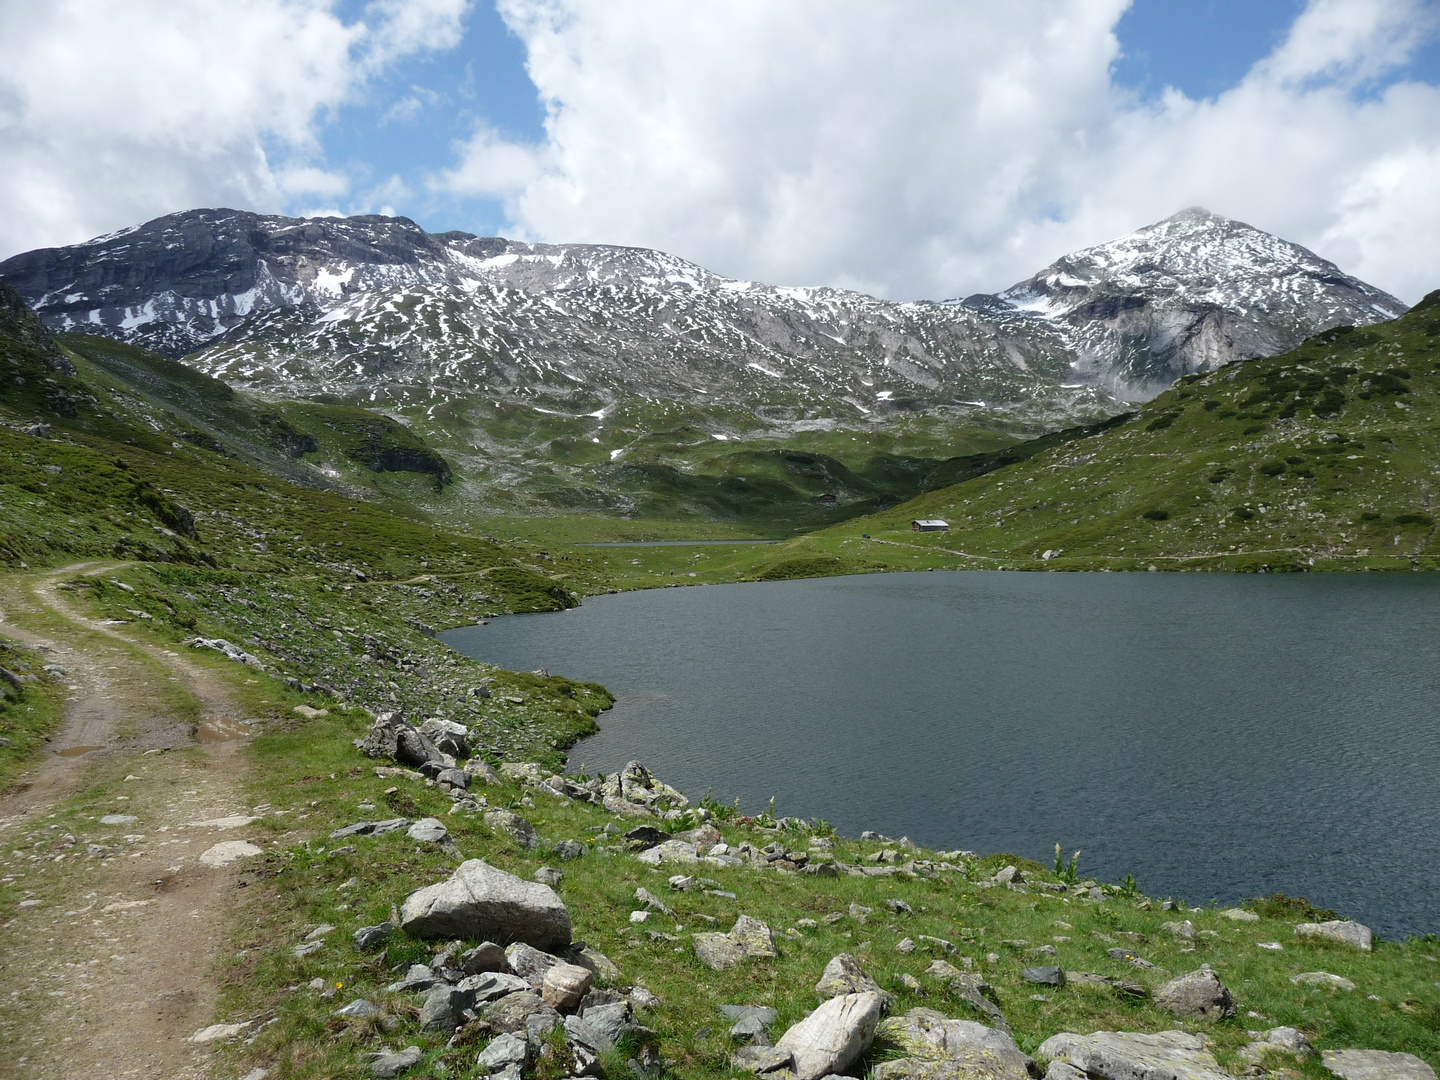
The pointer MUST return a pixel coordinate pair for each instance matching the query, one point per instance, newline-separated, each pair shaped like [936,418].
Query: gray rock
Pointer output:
[603,967]
[428,831]
[844,975]
[1184,930]
[654,903]
[586,1045]
[368,937]
[671,851]
[935,1047]
[1376,1065]
[763,1060]
[1199,995]
[1043,976]
[513,826]
[1323,978]
[749,1029]
[419,977]
[359,1009]
[530,963]
[513,1011]
[442,1007]
[505,1049]
[763,1013]
[1060,1070]
[1280,1040]
[753,937]
[570,849]
[480,901]
[610,1020]
[370,828]
[390,1063]
[1240,914]
[1126,1055]
[548,876]
[492,986]
[834,1036]
[1343,930]
[479,769]
[487,956]
[719,952]
[455,778]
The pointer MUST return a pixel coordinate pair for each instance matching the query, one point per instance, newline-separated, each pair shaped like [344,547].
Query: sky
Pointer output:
[907,148]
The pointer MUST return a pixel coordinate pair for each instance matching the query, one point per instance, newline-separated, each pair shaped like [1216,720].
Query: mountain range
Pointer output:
[376,309]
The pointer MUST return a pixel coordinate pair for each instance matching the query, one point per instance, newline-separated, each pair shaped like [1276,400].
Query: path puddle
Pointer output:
[222,729]
[76,751]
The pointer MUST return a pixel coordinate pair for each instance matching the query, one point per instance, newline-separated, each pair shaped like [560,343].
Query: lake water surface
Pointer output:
[1218,736]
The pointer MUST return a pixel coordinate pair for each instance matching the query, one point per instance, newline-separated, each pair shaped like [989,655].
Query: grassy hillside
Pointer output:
[1327,457]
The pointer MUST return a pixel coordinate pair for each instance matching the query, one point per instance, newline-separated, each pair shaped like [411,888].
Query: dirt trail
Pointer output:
[106,968]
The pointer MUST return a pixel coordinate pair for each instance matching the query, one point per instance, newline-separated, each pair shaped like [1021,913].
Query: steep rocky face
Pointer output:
[1190,293]
[376,309]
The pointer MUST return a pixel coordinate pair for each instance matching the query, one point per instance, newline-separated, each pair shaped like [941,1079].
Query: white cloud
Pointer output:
[113,113]
[937,147]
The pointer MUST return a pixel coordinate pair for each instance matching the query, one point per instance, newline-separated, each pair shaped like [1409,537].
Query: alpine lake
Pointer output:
[1217,736]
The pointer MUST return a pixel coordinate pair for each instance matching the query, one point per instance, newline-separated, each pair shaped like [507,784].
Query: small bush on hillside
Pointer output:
[1295,908]
[1156,515]
[1414,519]
[1272,468]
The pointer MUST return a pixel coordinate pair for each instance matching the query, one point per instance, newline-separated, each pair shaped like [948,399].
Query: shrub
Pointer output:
[1253,429]
[1160,423]
[1244,513]
[1211,405]
[1156,515]
[1272,468]
[1219,476]
[1414,519]
[1295,908]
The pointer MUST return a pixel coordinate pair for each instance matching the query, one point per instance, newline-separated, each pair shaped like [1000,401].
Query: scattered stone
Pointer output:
[442,1007]
[653,902]
[480,901]
[1344,930]
[719,952]
[671,851]
[1043,976]
[899,907]
[1240,914]
[905,946]
[368,937]
[389,1064]
[513,1012]
[1199,995]
[1323,978]
[643,837]
[479,769]
[843,975]
[1011,875]
[547,875]
[1061,1070]
[642,998]
[1283,1040]
[308,947]
[753,937]
[860,913]
[569,849]
[370,828]
[506,1049]
[216,1032]
[359,1009]
[1173,1055]
[529,963]
[428,831]
[611,1019]
[935,1047]
[1376,1065]
[832,1037]
[487,956]
[564,985]
[513,826]
[419,977]
[640,916]
[1184,930]
[492,986]
[764,1060]
[119,819]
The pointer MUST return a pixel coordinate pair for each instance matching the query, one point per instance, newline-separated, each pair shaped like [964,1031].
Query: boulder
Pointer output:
[419,977]
[564,985]
[601,965]
[1280,1040]
[1376,1065]
[1043,976]
[513,1012]
[448,736]
[513,826]
[764,1060]
[479,769]
[1346,931]
[586,1045]
[833,1037]
[1240,914]
[1184,929]
[935,1047]
[610,1020]
[522,772]
[844,975]
[569,849]
[359,1009]
[480,901]
[1199,995]
[368,937]
[1127,1055]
